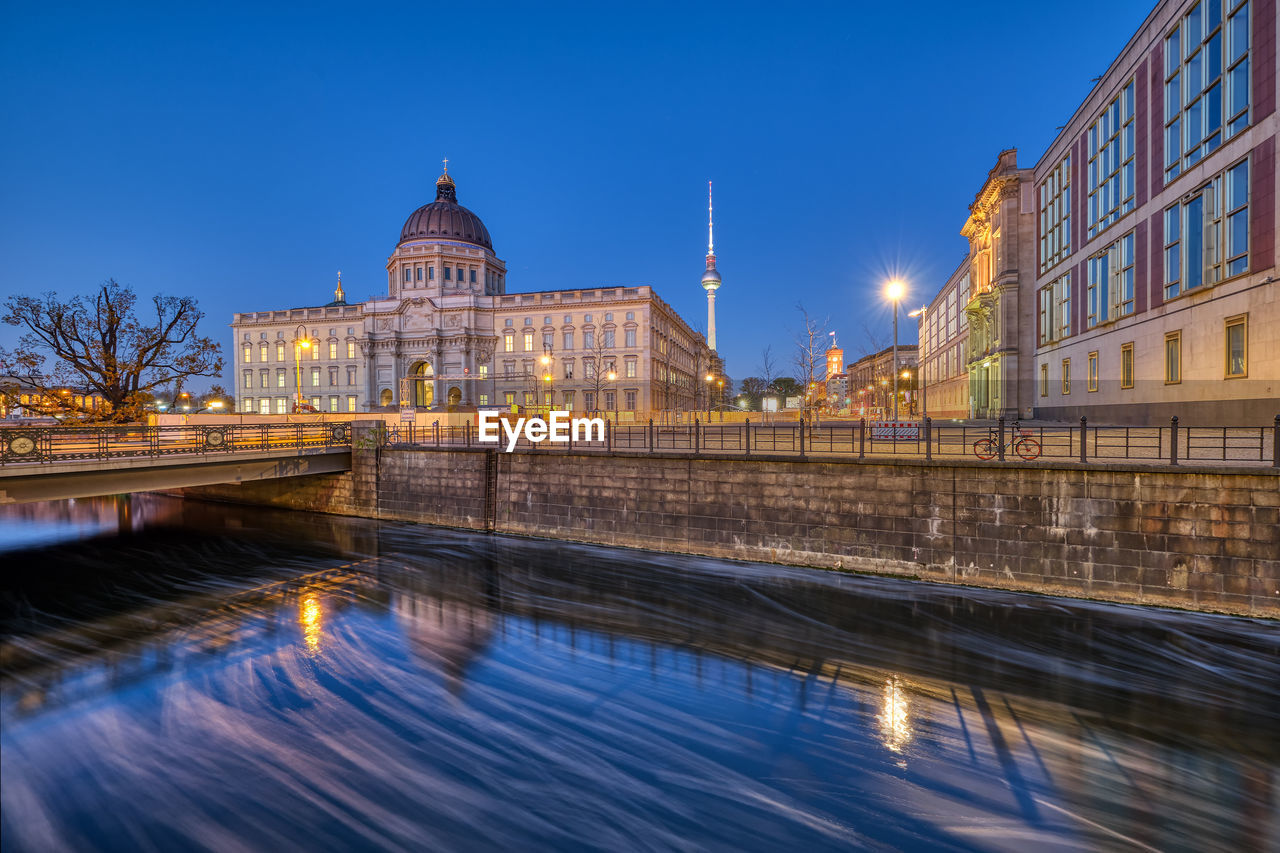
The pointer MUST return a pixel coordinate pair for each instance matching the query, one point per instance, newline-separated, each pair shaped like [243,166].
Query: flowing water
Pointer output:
[189,676]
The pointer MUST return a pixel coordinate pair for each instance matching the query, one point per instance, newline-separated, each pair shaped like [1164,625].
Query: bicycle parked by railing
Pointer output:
[1020,443]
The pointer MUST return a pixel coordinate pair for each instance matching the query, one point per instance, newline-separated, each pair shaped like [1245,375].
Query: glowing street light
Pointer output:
[300,342]
[894,292]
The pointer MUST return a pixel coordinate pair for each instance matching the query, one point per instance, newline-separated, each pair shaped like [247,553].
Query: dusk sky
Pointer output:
[244,156]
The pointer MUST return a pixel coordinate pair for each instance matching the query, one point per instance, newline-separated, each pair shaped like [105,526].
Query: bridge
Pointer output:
[56,463]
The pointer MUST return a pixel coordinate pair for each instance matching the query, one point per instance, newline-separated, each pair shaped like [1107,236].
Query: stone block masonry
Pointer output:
[1203,538]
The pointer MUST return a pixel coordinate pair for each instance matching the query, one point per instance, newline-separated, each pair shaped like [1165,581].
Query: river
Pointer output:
[181,675]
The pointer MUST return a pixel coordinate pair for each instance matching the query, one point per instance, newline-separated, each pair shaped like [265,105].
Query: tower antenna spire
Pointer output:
[711,241]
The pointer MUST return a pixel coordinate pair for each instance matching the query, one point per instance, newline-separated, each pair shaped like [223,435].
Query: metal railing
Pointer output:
[1169,445]
[42,445]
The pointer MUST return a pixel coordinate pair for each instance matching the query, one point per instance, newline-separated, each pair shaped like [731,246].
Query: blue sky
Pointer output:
[243,154]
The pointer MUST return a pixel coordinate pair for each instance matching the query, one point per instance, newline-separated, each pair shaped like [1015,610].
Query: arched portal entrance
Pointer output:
[386,398]
[421,375]
[455,396]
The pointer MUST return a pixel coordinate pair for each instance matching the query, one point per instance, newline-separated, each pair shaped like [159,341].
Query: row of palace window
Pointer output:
[312,352]
[284,405]
[309,381]
[461,275]
[608,399]
[528,368]
[1206,102]
[1206,239]
[608,340]
[1235,359]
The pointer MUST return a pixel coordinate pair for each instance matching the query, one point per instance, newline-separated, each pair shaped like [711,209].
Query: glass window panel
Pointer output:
[1195,74]
[1172,96]
[1172,53]
[1238,233]
[1238,34]
[1235,350]
[1213,15]
[1239,88]
[1195,242]
[1213,58]
[1213,108]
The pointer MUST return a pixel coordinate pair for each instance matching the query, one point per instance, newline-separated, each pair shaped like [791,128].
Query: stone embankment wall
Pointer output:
[1206,538]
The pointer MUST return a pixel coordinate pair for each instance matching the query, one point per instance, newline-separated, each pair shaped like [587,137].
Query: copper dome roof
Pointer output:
[445,219]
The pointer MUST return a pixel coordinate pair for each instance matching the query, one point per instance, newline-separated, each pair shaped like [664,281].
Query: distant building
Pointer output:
[871,379]
[20,399]
[944,334]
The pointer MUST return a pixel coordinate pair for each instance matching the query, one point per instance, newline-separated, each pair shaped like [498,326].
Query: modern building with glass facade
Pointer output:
[1156,286]
[1146,268]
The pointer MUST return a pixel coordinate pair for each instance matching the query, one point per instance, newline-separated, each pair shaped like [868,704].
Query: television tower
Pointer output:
[711,278]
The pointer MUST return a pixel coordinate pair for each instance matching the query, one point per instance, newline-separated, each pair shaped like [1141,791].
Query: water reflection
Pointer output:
[895,718]
[333,684]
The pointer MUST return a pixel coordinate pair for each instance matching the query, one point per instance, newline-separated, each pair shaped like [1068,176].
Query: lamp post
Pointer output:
[300,342]
[612,376]
[548,378]
[893,291]
[710,379]
[719,399]
[921,312]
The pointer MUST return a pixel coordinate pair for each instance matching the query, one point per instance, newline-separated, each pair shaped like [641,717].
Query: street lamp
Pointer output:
[612,376]
[710,379]
[921,312]
[894,291]
[548,377]
[300,342]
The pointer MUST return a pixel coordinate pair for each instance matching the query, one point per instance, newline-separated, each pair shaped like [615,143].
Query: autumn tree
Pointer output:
[108,345]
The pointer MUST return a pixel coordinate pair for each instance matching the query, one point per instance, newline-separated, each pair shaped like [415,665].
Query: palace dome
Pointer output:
[445,219]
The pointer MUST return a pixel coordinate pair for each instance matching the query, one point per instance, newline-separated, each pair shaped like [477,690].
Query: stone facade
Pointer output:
[1001,251]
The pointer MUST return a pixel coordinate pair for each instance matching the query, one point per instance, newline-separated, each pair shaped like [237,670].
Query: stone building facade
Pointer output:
[448,335]
[1000,231]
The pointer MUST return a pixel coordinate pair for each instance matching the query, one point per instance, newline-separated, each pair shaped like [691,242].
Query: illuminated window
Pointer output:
[484,399]
[630,368]
[1173,358]
[248,353]
[528,341]
[1237,341]
[281,405]
[484,370]
[263,379]
[508,342]
[1044,380]
[351,403]
[279,350]
[1092,377]
[1126,365]
[315,377]
[1111,165]
[1066,376]
[262,351]
[280,378]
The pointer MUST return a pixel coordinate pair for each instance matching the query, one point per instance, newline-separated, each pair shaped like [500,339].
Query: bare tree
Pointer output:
[598,364]
[100,344]
[810,355]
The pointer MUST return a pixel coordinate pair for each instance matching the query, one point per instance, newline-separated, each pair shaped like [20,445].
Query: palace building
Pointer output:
[448,335]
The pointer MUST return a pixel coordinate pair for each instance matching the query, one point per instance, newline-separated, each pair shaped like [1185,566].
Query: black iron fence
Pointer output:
[36,445]
[1174,444]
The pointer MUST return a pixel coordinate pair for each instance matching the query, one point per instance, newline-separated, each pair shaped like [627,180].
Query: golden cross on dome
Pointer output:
[446,165]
